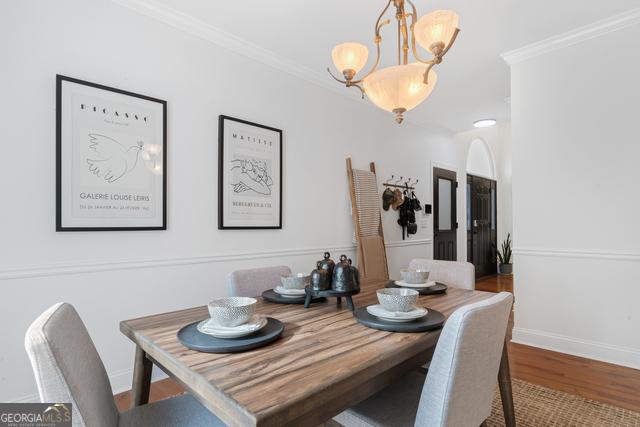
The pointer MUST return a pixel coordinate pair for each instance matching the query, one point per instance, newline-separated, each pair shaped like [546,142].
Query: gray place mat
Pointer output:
[437,289]
[191,338]
[433,320]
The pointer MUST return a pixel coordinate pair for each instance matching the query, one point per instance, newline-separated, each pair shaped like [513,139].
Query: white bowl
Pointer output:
[414,276]
[232,311]
[295,281]
[397,299]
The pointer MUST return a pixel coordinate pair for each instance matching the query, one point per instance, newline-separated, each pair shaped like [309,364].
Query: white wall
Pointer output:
[111,276]
[575,198]
[497,141]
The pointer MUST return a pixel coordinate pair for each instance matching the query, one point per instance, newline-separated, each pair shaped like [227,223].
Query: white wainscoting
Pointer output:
[618,355]
[579,302]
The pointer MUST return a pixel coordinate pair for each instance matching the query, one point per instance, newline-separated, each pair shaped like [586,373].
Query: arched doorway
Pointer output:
[480,160]
[481,206]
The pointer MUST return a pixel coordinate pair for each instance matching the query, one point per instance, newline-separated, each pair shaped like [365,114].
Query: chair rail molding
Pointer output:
[575,36]
[102,265]
[577,253]
[609,353]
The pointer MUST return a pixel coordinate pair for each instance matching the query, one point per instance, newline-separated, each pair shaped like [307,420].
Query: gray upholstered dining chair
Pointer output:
[461,381]
[460,274]
[68,369]
[251,283]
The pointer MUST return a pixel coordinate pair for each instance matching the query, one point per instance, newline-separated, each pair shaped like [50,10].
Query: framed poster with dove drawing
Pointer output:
[110,158]
[249,175]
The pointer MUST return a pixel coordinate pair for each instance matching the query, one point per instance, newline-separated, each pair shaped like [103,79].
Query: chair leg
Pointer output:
[506,392]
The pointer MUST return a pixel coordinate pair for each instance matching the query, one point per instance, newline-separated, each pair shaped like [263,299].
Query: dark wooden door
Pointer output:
[481,224]
[444,217]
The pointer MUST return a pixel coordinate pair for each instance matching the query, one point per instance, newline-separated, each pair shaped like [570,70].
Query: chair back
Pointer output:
[462,377]
[68,368]
[460,274]
[251,283]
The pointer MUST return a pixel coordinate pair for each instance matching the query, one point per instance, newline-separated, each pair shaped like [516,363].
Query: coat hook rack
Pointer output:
[398,183]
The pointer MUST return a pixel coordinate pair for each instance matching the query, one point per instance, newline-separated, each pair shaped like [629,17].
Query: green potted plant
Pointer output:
[505,263]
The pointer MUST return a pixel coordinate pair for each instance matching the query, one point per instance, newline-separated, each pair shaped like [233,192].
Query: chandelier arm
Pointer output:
[377,41]
[335,78]
[426,73]
[378,26]
[375,66]
[453,39]
[358,86]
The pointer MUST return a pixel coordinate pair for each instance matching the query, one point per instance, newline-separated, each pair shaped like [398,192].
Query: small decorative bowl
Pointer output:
[295,281]
[232,311]
[414,276]
[397,299]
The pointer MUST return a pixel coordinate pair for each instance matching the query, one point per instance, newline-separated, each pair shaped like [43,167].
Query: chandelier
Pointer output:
[402,87]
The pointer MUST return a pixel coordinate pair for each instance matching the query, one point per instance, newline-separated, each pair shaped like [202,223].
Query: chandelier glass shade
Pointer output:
[350,57]
[402,87]
[433,31]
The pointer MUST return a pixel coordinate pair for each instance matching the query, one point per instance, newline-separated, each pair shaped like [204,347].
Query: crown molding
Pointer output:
[201,29]
[569,38]
[188,24]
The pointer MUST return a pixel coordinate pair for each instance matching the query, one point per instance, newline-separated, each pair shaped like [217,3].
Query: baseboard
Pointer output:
[617,355]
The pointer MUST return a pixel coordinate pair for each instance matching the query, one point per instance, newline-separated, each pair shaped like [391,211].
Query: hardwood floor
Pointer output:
[604,382]
[495,283]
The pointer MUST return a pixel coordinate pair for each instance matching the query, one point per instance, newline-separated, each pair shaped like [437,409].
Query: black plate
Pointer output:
[433,320]
[437,289]
[191,338]
[272,296]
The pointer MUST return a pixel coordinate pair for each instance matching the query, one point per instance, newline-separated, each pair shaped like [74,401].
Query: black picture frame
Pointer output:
[59,114]
[221,151]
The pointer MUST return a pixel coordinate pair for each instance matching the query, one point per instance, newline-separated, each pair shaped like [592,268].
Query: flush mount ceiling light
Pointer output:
[484,123]
[399,88]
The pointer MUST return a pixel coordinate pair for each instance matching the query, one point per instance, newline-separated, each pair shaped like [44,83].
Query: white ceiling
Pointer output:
[473,82]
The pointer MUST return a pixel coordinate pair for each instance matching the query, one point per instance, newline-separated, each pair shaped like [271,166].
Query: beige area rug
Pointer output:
[538,406]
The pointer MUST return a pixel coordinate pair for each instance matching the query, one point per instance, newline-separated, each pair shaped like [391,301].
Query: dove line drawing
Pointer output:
[112,160]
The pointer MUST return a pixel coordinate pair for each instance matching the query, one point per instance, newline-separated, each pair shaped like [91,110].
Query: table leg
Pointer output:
[142,368]
[506,393]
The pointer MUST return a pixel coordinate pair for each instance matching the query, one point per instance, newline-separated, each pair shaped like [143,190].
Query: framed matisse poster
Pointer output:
[111,158]
[249,175]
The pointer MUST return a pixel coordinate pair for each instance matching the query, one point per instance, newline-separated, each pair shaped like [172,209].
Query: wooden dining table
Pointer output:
[324,362]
